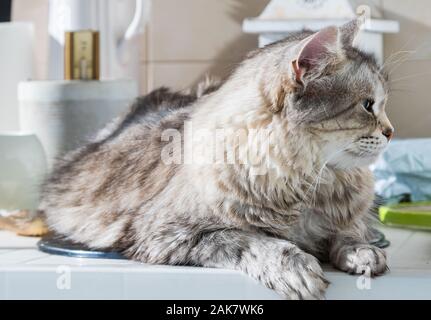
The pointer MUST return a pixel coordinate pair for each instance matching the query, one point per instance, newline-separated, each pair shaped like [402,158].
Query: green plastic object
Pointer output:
[415,215]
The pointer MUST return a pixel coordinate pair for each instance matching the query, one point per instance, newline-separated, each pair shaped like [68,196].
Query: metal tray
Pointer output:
[58,245]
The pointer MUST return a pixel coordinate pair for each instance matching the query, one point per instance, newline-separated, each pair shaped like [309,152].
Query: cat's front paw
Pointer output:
[298,276]
[361,259]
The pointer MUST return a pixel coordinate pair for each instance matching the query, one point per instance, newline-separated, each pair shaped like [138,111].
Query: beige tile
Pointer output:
[414,10]
[409,100]
[143,79]
[183,75]
[144,44]
[201,30]
[415,28]
[410,72]
[35,11]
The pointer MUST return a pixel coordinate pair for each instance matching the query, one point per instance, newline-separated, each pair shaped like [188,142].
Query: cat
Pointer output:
[304,195]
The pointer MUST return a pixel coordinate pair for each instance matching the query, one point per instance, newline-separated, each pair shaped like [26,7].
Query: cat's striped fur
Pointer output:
[313,202]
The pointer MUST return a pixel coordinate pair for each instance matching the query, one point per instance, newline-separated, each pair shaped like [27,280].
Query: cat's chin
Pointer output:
[350,160]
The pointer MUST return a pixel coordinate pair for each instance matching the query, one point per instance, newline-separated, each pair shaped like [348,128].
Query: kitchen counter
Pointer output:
[26,273]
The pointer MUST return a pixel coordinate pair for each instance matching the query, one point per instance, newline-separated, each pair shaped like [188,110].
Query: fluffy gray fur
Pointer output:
[310,92]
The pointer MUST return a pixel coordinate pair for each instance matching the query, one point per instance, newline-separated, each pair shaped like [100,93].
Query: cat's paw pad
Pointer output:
[301,277]
[363,259]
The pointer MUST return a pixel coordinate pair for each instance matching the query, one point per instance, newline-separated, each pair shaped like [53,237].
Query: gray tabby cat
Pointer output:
[322,103]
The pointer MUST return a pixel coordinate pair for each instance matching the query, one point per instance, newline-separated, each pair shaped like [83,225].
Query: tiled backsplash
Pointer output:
[187,41]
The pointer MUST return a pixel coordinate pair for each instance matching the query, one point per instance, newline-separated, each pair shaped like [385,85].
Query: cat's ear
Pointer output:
[350,30]
[316,52]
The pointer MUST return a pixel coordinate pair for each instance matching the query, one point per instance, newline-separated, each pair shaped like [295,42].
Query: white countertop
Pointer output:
[26,273]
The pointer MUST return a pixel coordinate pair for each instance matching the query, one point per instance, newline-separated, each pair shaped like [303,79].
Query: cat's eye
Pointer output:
[368,105]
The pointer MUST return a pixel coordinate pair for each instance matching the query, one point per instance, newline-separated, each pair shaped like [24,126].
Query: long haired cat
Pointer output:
[267,204]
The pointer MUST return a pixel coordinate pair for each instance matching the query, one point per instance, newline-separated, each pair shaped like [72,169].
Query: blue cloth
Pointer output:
[404,169]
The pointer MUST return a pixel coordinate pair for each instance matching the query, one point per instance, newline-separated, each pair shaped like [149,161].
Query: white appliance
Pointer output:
[281,17]
[120,23]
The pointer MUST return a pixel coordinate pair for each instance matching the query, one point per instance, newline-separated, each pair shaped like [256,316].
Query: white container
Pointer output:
[16,63]
[22,169]
[64,114]
[120,23]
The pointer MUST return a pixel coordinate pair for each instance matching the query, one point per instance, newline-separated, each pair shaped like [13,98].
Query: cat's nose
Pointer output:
[386,126]
[388,133]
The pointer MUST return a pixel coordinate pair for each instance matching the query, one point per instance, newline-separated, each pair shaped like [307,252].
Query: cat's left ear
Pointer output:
[350,30]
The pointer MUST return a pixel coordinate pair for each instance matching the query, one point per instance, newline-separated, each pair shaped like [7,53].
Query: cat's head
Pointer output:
[335,93]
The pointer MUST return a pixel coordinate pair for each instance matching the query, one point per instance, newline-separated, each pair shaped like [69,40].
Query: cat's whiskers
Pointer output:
[402,56]
[389,60]
[400,61]
[410,77]
[318,182]
[400,90]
